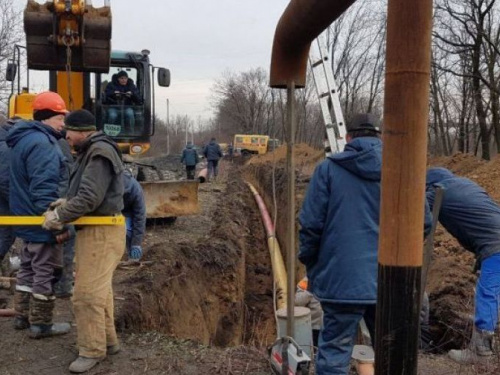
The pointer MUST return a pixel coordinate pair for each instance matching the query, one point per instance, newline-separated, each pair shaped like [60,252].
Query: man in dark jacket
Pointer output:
[6,233]
[134,210]
[38,174]
[190,159]
[121,91]
[339,240]
[473,218]
[95,189]
[212,153]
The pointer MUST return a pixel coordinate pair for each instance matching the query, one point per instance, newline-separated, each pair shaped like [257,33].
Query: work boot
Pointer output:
[41,312]
[22,307]
[113,349]
[83,364]
[480,349]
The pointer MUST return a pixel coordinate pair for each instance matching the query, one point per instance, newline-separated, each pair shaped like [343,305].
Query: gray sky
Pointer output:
[197,40]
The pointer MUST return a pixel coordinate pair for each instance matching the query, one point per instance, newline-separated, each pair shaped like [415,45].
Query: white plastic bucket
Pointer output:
[302,327]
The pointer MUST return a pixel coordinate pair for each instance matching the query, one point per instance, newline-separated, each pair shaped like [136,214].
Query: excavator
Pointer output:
[71,40]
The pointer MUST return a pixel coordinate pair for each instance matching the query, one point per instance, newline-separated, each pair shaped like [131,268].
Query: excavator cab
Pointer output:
[54,27]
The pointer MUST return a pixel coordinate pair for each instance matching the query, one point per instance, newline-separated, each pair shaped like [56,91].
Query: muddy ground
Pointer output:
[204,304]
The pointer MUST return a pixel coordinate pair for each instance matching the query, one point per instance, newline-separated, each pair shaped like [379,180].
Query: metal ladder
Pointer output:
[326,88]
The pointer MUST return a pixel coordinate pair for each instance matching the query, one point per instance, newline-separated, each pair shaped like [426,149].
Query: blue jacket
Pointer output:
[467,212]
[212,151]
[4,165]
[37,173]
[340,224]
[190,156]
[134,207]
[114,85]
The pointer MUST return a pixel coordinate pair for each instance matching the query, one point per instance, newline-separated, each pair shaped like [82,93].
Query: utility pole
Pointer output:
[168,128]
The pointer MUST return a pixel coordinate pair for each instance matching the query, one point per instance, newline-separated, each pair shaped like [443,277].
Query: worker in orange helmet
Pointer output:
[38,176]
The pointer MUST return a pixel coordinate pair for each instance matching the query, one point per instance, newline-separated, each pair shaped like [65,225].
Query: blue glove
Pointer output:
[135,252]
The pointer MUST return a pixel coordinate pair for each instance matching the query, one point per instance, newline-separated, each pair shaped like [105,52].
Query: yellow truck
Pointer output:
[250,144]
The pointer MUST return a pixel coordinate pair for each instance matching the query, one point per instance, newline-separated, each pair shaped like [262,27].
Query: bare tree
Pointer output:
[10,34]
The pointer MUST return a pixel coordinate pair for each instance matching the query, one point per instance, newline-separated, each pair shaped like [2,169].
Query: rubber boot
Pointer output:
[480,349]
[41,312]
[22,307]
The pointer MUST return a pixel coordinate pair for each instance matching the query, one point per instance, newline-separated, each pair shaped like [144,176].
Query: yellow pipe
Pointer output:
[86,220]
[277,263]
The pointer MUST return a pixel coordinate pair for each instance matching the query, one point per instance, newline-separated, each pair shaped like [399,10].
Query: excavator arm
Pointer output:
[68,34]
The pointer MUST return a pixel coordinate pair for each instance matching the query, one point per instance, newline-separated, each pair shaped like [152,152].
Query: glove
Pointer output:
[57,203]
[52,221]
[135,252]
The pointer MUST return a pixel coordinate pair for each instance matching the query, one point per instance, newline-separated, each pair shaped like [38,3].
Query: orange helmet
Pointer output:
[49,100]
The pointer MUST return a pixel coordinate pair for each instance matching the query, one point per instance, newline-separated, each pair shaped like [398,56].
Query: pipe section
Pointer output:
[202,175]
[301,22]
[279,271]
[406,110]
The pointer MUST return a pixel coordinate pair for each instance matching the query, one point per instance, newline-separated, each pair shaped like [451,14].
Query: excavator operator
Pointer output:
[122,91]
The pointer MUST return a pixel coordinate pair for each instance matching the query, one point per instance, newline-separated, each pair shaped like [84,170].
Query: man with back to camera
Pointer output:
[339,241]
[212,153]
[190,159]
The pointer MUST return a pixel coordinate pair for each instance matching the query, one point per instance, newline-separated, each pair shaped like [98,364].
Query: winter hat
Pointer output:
[80,121]
[44,114]
[121,73]
[364,121]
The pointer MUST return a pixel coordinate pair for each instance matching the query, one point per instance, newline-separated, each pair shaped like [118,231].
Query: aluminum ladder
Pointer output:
[326,88]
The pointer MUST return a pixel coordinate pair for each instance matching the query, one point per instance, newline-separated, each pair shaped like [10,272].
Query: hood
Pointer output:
[212,142]
[3,132]
[189,146]
[24,128]
[98,137]
[436,175]
[362,157]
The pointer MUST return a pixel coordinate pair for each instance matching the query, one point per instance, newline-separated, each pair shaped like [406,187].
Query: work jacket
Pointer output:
[134,207]
[96,182]
[38,174]
[212,151]
[467,212]
[189,156]
[114,85]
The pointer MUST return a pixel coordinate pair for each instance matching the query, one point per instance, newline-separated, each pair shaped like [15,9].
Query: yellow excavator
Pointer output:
[72,41]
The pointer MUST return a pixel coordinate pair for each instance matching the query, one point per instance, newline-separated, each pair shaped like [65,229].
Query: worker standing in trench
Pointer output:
[38,176]
[339,241]
[473,218]
[98,249]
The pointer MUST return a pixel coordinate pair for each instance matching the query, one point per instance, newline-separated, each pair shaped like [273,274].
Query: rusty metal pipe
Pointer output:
[301,22]
[202,175]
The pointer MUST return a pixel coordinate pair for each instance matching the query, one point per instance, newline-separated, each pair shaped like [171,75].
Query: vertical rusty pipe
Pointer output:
[406,108]
[291,252]
[301,22]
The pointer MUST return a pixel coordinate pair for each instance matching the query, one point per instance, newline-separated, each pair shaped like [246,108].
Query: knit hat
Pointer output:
[364,121]
[44,114]
[121,73]
[80,121]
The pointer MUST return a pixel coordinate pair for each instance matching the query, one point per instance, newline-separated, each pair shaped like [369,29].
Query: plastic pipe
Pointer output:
[279,271]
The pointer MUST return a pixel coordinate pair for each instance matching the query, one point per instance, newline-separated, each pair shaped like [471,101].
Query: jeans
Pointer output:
[65,284]
[98,251]
[212,168]
[338,335]
[128,113]
[488,294]
[190,169]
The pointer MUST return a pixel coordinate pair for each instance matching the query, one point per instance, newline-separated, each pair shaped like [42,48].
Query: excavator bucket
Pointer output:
[170,198]
[50,28]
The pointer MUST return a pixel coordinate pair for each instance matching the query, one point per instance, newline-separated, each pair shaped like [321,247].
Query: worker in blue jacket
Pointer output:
[134,211]
[6,233]
[190,158]
[473,218]
[339,232]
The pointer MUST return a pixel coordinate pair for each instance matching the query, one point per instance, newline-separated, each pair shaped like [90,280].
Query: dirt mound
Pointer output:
[462,164]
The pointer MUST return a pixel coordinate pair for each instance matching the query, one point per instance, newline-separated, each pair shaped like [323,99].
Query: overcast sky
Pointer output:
[197,40]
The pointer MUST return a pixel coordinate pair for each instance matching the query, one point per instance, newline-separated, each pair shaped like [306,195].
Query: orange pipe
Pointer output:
[301,22]
[202,175]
